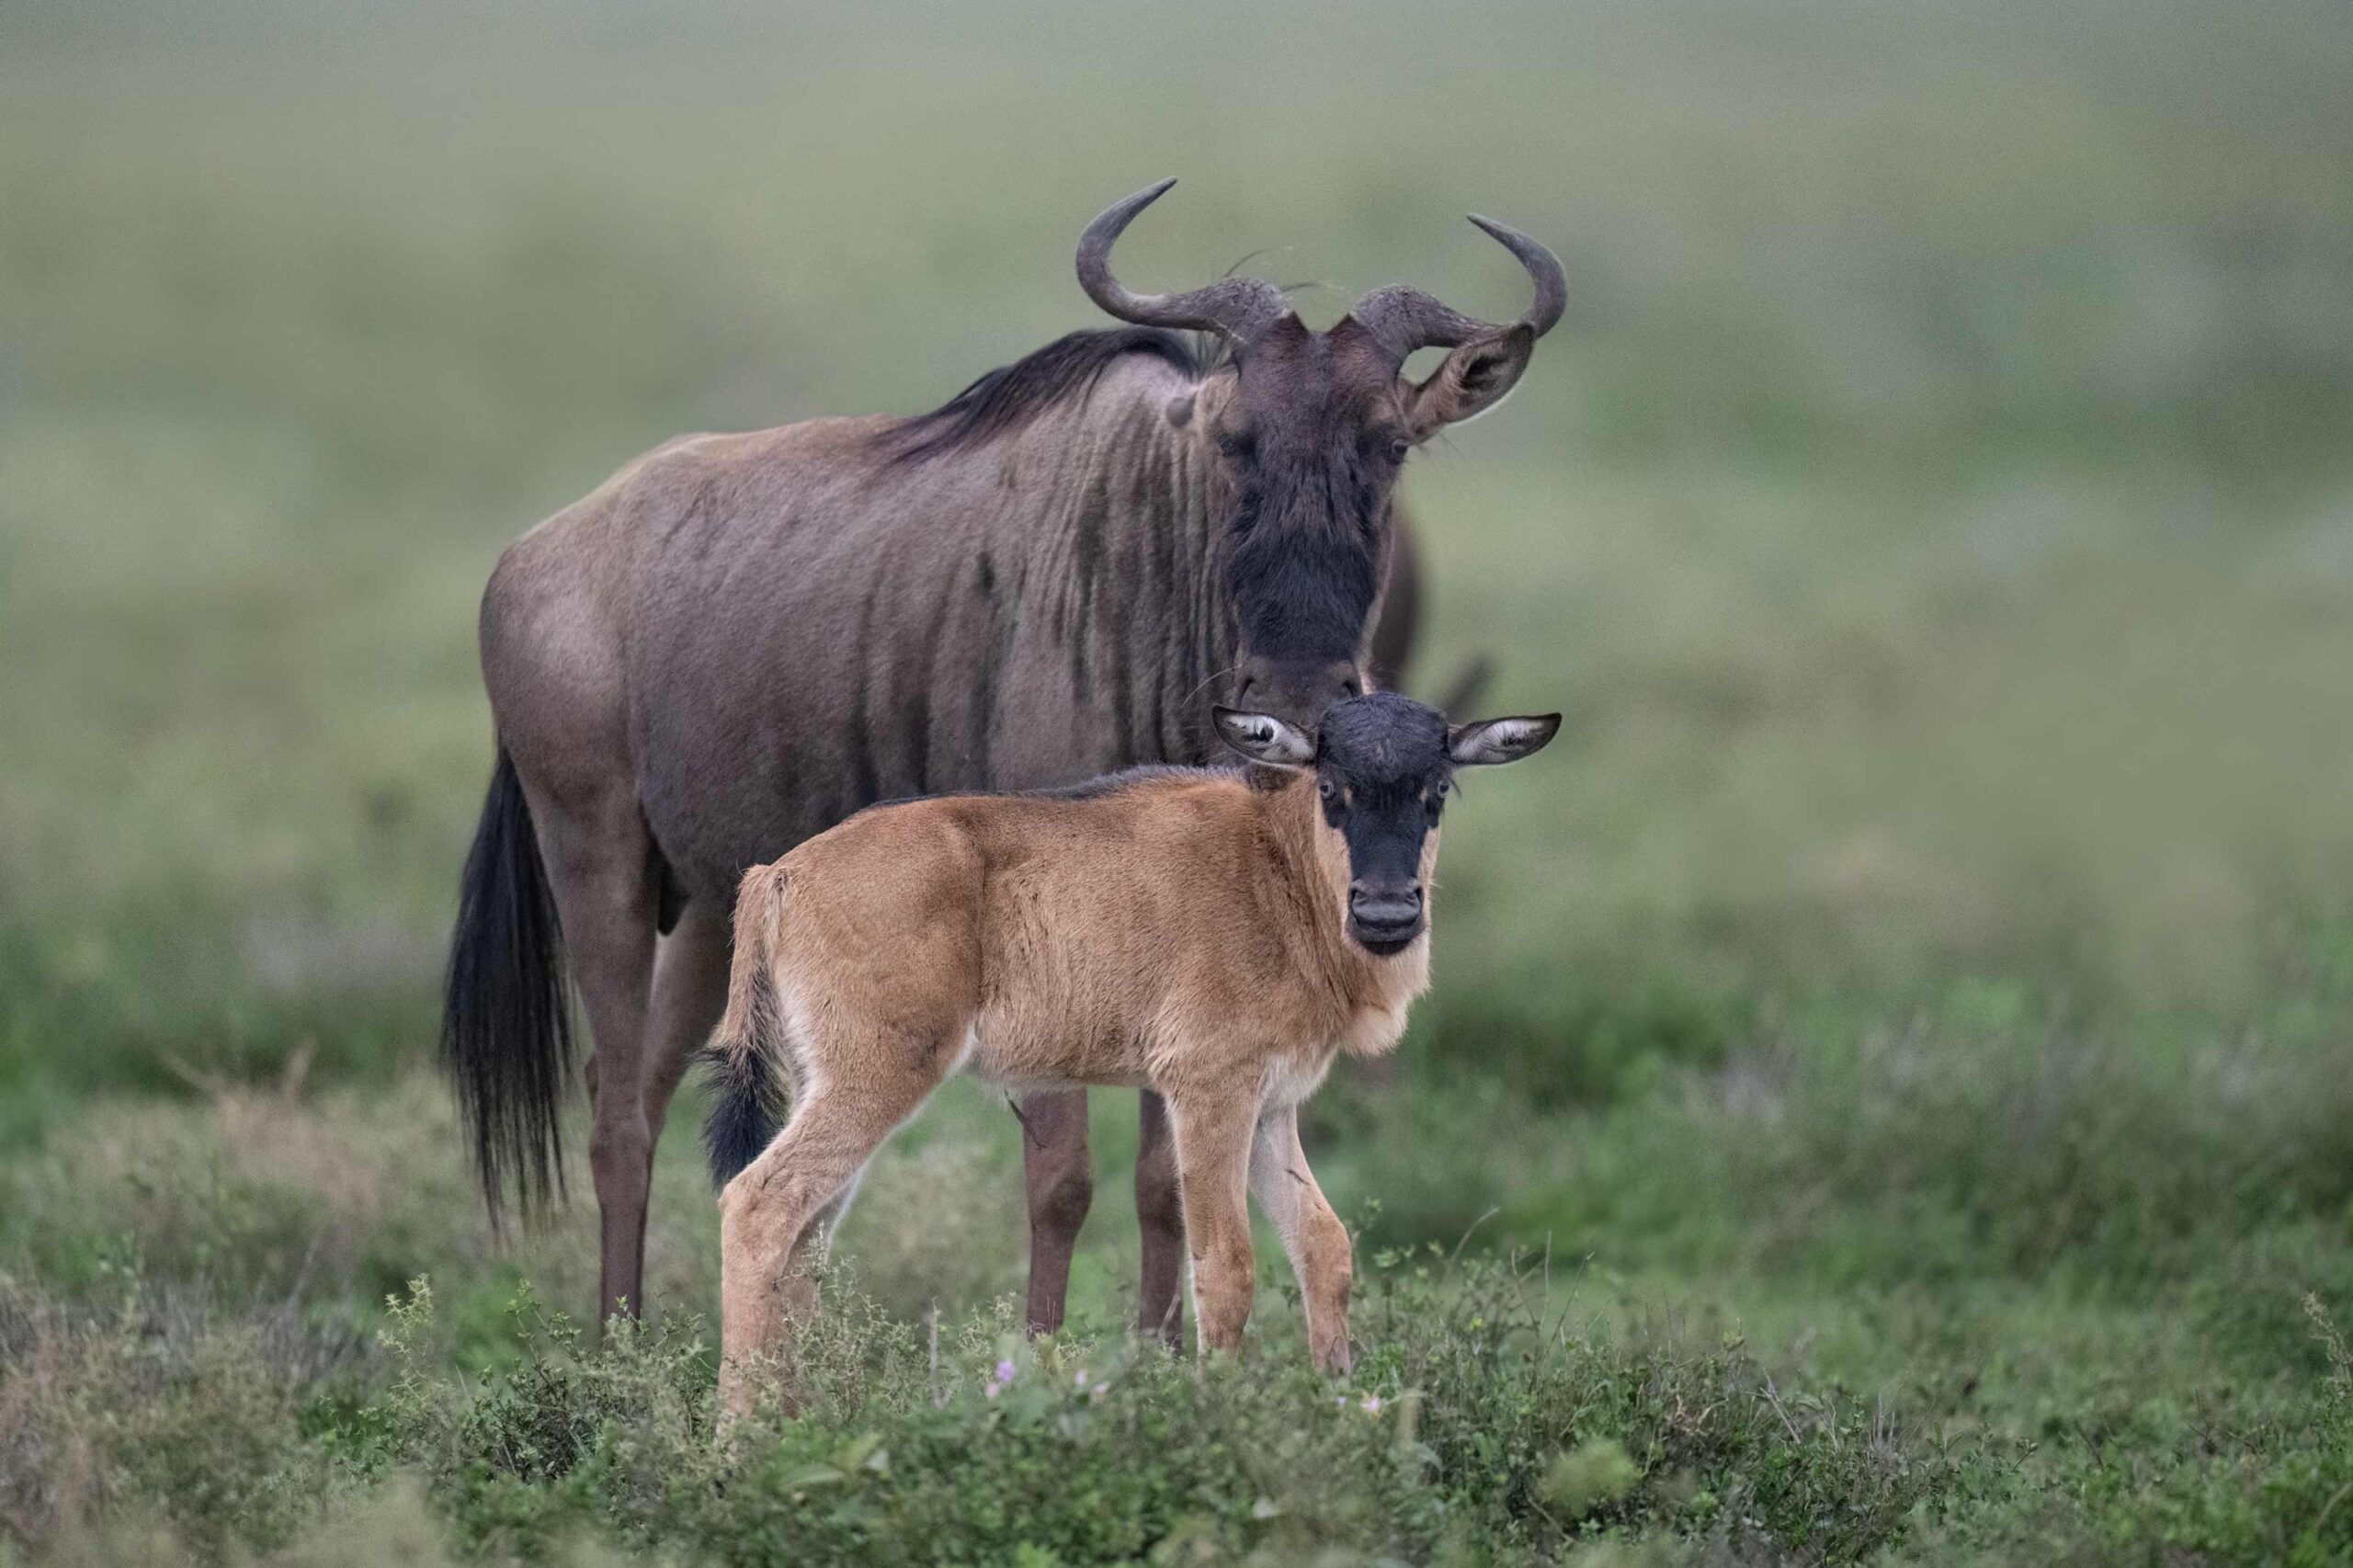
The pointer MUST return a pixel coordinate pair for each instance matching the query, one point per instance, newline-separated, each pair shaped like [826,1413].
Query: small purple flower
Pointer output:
[1369,1404]
[991,1387]
[1004,1371]
[1078,1379]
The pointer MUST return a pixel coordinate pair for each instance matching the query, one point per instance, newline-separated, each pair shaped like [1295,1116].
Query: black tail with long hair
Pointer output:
[506,1017]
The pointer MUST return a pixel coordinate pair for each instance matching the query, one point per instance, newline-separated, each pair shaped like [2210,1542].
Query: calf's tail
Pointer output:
[748,1105]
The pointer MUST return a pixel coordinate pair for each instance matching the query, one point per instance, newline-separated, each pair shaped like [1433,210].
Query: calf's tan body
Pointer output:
[1180,930]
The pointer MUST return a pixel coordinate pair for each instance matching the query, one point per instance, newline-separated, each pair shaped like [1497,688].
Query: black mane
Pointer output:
[1014,394]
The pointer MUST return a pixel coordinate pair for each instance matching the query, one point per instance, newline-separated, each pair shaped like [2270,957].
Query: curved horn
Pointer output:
[1402,320]
[1238,308]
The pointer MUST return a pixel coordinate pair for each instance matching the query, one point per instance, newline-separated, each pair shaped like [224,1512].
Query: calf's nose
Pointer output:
[1384,908]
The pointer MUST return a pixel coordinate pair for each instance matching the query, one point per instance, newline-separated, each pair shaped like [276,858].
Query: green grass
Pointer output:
[1901,1033]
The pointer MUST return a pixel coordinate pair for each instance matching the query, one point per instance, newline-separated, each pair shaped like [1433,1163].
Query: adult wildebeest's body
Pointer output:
[740,639]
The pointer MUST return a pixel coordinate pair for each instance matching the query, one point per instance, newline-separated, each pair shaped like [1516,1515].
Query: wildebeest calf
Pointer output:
[1217,935]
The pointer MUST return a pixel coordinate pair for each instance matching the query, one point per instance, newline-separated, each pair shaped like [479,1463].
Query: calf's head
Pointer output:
[1307,431]
[1383,764]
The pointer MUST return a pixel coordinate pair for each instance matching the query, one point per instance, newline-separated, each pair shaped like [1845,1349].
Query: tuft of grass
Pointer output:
[156,1407]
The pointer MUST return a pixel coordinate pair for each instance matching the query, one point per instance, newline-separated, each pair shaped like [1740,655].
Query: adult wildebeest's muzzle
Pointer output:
[1294,690]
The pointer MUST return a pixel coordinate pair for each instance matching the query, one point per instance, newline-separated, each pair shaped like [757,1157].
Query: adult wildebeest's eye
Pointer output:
[1398,449]
[1326,789]
[1236,443]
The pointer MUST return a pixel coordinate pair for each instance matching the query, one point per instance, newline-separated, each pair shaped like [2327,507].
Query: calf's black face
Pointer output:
[1383,764]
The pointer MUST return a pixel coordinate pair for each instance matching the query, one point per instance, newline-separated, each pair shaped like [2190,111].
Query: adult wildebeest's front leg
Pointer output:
[1159,1223]
[1313,1235]
[1058,1174]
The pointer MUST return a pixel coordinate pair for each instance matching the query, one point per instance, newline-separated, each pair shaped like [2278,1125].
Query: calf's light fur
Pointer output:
[1218,936]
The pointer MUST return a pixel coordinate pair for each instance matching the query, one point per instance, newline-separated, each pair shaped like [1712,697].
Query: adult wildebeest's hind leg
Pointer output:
[689,992]
[1312,1235]
[599,864]
[552,663]
[1058,1176]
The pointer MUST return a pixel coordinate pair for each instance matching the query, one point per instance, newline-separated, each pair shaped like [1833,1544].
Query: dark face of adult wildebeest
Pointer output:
[1383,764]
[738,640]
[1310,433]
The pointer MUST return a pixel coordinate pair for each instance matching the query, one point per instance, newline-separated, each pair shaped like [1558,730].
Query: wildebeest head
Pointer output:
[1383,765]
[1310,430]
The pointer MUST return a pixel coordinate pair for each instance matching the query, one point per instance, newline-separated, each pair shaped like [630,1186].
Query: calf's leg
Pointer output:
[1313,1235]
[1214,1163]
[773,1220]
[1058,1174]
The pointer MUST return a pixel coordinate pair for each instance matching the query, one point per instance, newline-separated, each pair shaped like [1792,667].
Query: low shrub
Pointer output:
[1476,1423]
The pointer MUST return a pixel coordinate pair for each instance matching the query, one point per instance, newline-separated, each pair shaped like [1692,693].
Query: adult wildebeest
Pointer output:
[1218,936]
[738,640]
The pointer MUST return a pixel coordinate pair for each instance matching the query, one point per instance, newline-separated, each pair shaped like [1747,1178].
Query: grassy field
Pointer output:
[1888,1094]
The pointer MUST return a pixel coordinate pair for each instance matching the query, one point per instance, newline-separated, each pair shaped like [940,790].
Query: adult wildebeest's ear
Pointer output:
[1471,379]
[1485,741]
[1262,737]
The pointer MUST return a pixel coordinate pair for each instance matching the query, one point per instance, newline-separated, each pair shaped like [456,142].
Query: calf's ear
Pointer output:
[1262,737]
[1483,742]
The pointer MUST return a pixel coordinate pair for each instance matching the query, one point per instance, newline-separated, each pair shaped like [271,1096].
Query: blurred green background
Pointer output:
[1933,510]
[1935,513]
